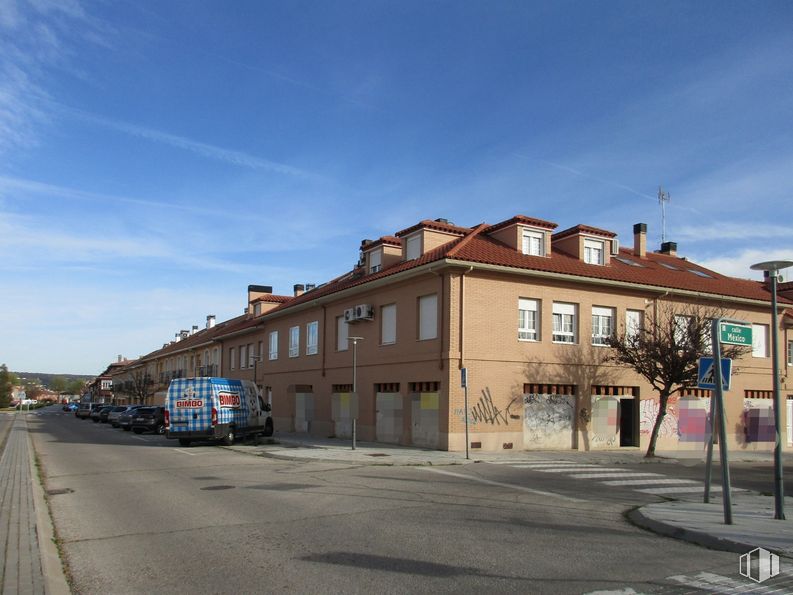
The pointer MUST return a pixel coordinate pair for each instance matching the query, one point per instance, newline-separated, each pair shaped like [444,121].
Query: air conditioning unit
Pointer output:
[364,312]
[615,247]
[349,315]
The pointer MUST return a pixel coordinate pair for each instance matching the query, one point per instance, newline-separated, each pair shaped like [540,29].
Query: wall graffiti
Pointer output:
[694,419]
[486,412]
[548,420]
[648,411]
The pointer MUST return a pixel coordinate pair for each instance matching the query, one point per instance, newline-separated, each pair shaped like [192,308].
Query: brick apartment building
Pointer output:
[525,309]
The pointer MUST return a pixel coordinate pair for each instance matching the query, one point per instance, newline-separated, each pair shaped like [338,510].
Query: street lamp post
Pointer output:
[772,267]
[354,383]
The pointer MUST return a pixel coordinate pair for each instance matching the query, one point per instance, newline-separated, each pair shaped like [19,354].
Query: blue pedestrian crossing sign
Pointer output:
[706,376]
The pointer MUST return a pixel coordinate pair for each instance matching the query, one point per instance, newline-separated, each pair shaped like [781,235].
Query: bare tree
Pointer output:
[665,351]
[140,385]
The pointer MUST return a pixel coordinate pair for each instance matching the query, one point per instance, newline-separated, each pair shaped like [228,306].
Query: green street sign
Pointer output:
[734,334]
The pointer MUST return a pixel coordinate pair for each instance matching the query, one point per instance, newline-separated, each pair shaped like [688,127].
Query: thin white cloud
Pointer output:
[714,230]
[233,157]
[737,264]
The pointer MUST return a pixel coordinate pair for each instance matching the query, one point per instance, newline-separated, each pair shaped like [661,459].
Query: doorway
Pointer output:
[628,417]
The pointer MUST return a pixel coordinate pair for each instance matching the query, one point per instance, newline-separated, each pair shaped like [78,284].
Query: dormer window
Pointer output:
[413,247]
[593,251]
[533,242]
[375,261]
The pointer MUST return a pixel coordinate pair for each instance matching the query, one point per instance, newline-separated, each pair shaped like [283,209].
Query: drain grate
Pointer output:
[56,492]
[218,488]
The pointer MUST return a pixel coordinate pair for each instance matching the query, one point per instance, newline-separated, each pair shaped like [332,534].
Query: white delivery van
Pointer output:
[215,409]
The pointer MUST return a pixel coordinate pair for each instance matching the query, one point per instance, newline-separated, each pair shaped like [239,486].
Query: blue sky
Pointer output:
[158,157]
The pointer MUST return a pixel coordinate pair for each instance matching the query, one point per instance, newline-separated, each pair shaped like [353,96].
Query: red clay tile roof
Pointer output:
[436,225]
[273,299]
[522,219]
[583,229]
[386,240]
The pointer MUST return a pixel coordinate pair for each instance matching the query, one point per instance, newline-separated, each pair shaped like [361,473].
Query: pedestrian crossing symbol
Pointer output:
[706,375]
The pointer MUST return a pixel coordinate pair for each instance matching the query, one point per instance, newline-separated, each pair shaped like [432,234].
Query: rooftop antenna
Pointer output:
[663,198]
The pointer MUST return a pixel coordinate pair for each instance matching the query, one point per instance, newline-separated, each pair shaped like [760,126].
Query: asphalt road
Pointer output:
[139,514]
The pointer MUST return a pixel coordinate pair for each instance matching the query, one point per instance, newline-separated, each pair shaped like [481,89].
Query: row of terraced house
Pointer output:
[525,309]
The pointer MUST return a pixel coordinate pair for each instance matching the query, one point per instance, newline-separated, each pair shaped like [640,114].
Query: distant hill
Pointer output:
[46,379]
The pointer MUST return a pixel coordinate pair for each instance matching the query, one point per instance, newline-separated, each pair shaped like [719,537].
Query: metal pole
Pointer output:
[466,420]
[354,385]
[779,486]
[709,463]
[719,394]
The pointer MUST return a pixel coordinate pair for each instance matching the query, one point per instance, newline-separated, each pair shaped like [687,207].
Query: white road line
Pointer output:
[141,438]
[582,469]
[192,454]
[640,482]
[680,490]
[501,485]
[613,475]
[551,465]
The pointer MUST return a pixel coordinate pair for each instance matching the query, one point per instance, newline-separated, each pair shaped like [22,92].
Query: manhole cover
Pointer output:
[218,488]
[59,491]
[377,454]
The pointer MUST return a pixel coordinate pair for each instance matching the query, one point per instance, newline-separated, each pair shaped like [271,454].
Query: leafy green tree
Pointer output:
[665,351]
[58,384]
[7,382]
[75,387]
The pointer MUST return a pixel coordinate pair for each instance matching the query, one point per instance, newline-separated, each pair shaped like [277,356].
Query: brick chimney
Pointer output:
[210,321]
[669,248]
[299,289]
[640,240]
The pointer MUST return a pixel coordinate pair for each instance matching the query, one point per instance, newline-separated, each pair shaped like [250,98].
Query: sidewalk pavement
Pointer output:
[753,514]
[29,561]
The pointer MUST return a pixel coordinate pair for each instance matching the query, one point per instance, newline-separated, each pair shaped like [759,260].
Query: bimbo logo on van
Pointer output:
[229,400]
[188,400]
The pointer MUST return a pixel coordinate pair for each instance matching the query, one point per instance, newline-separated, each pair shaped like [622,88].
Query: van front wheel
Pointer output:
[228,439]
[268,427]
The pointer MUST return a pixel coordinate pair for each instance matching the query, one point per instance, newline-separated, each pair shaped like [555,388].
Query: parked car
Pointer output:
[125,418]
[113,416]
[104,412]
[149,419]
[70,407]
[96,411]
[84,410]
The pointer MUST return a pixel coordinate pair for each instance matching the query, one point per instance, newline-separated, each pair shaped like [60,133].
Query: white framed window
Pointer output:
[375,261]
[528,320]
[593,251]
[602,325]
[682,325]
[533,242]
[294,341]
[388,324]
[260,351]
[413,247]
[312,338]
[634,321]
[243,357]
[273,345]
[790,353]
[564,323]
[342,332]
[428,317]
[759,340]
[232,356]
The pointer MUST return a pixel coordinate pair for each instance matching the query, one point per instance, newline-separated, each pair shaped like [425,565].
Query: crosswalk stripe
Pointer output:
[559,464]
[582,469]
[639,482]
[614,475]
